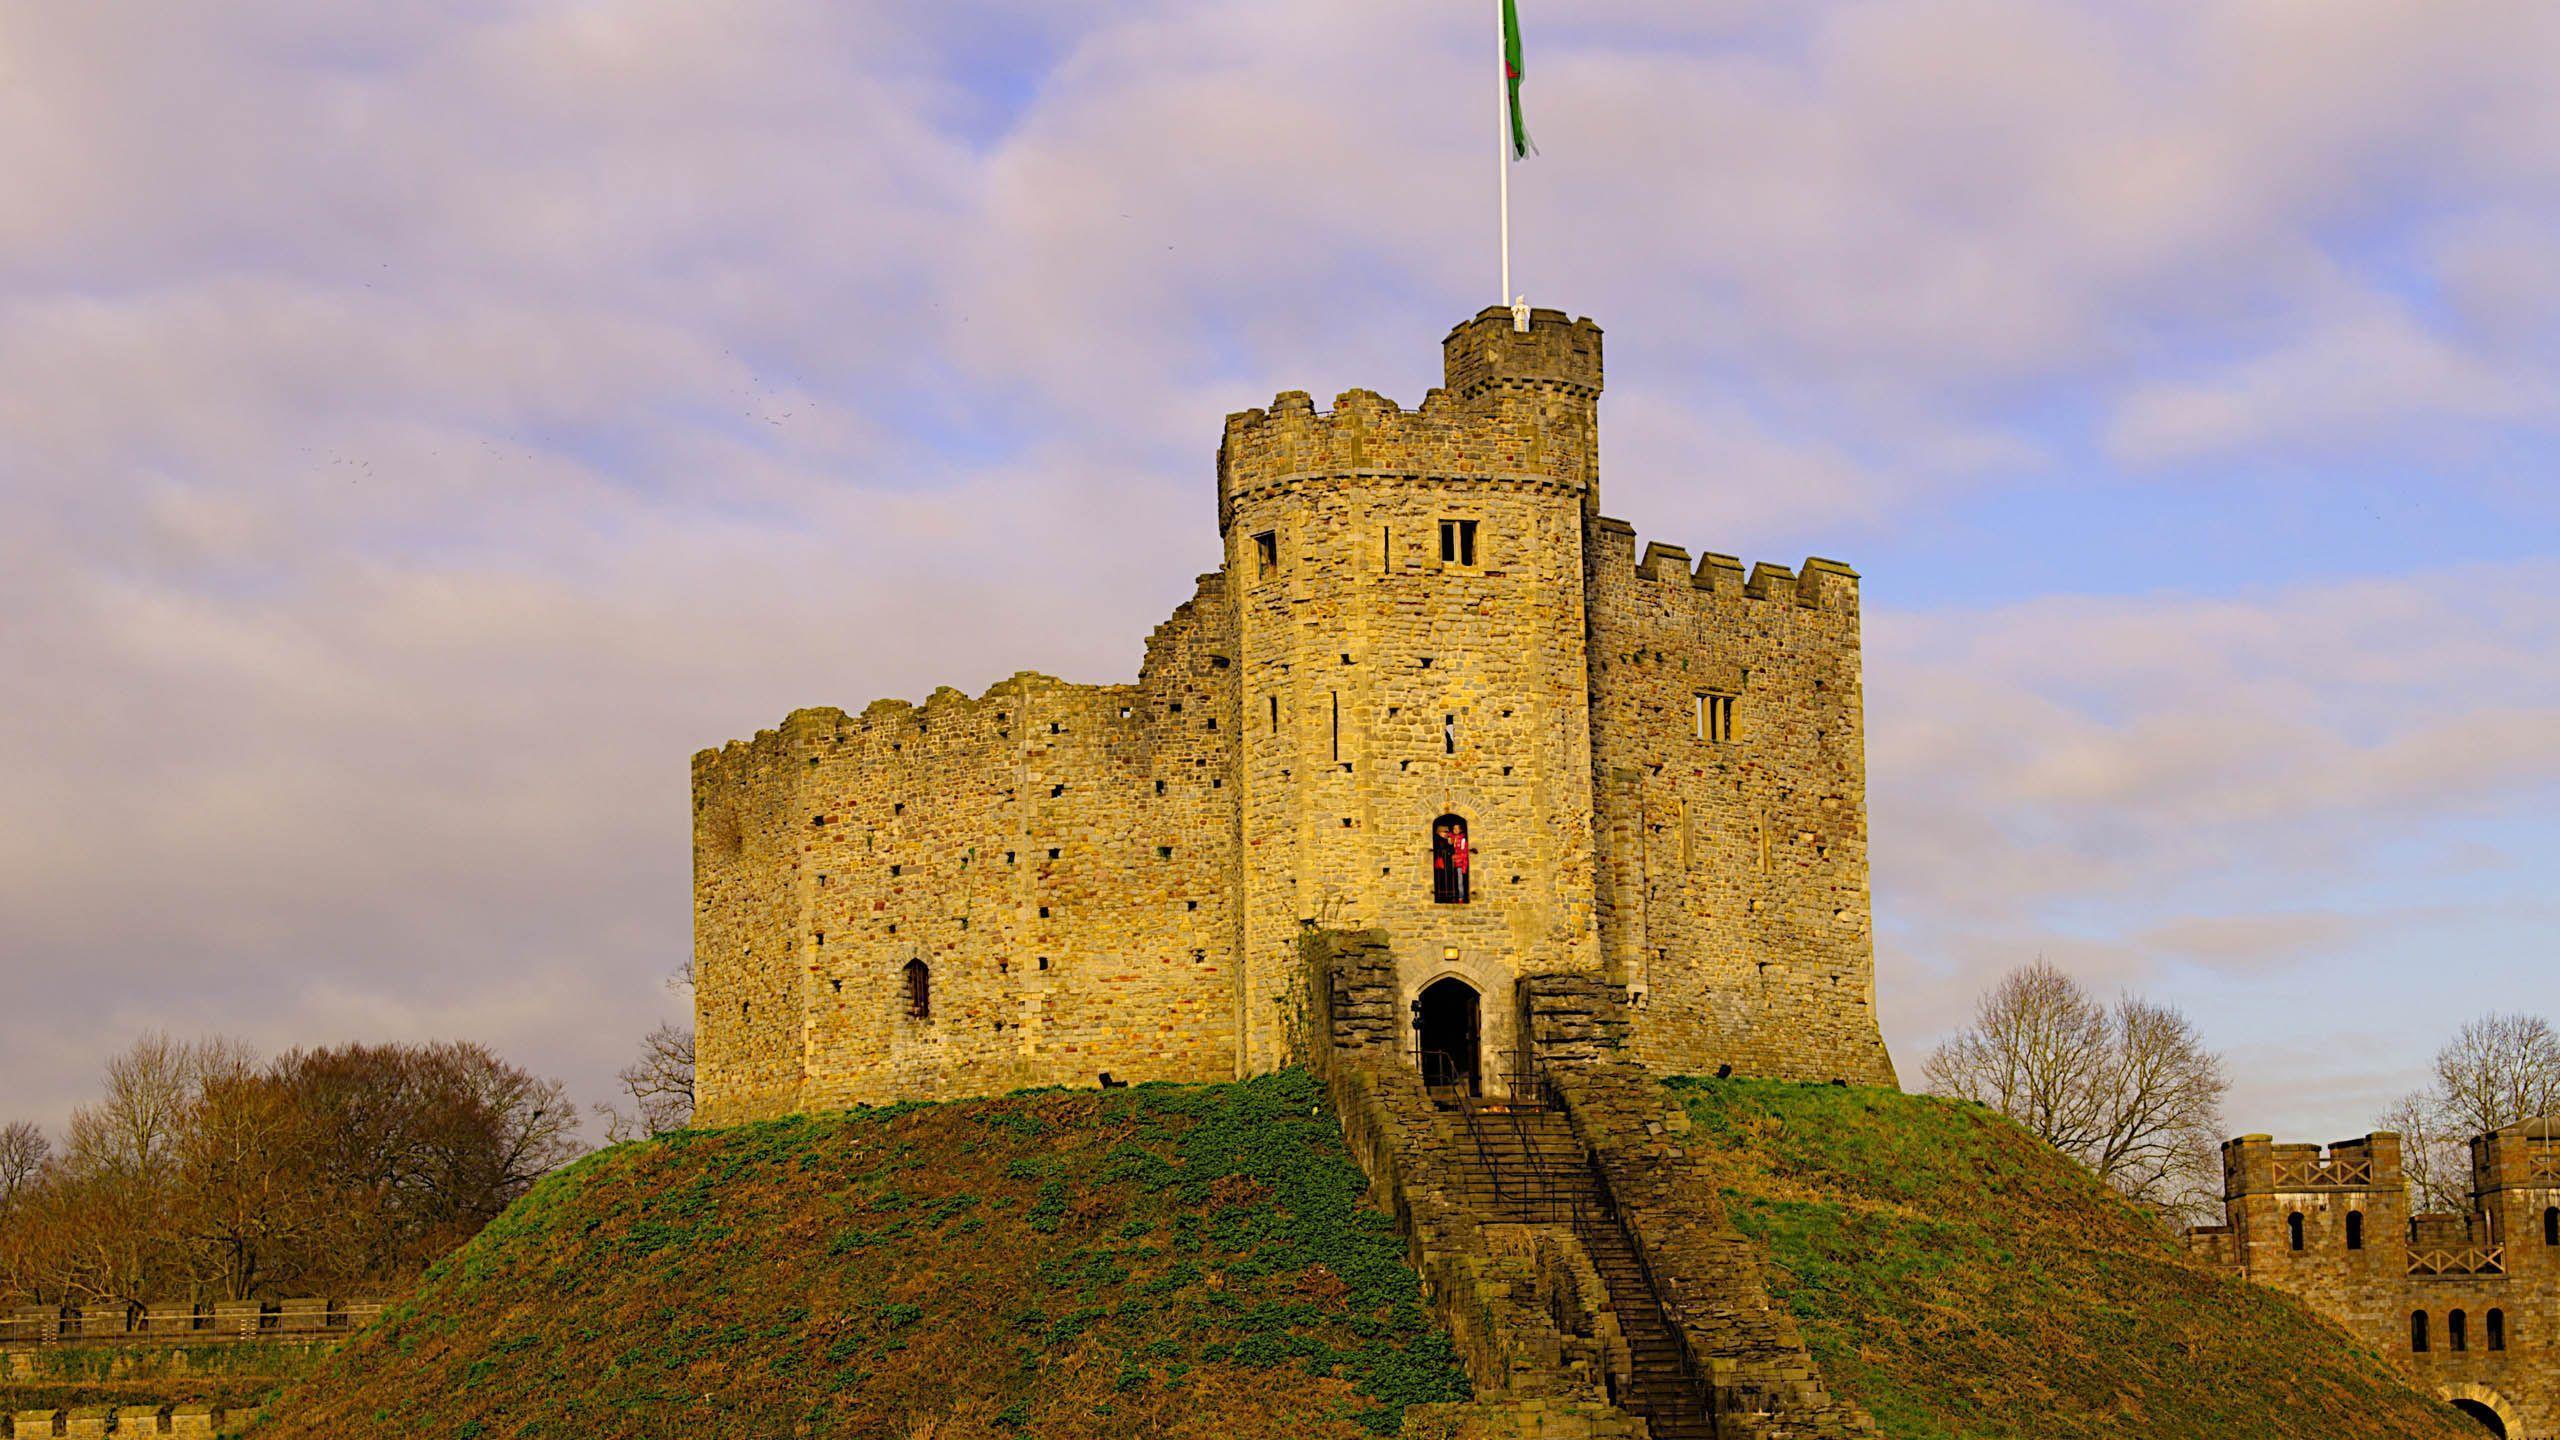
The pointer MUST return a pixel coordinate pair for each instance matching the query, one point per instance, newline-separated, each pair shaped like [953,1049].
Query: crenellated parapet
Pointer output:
[186,1322]
[2518,1157]
[1555,354]
[2258,1165]
[1820,585]
[1516,413]
[97,1422]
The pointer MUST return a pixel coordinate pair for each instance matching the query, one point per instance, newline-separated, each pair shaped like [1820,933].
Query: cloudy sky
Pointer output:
[422,427]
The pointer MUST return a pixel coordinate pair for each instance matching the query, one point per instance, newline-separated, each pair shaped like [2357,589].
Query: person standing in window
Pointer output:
[1458,860]
[1444,885]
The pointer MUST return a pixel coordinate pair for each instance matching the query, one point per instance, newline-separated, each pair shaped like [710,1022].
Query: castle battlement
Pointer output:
[1516,411]
[2258,1165]
[181,1422]
[1820,585]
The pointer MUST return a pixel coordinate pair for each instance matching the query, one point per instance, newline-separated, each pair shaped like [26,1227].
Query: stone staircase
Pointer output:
[1520,1162]
[1579,1254]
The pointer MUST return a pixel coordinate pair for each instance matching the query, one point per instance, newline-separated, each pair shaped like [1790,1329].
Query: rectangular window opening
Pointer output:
[1275,713]
[1458,542]
[1715,717]
[1266,552]
[1337,724]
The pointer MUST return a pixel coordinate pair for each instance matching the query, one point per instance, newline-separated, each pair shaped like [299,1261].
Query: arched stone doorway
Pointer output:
[2484,1406]
[1448,1023]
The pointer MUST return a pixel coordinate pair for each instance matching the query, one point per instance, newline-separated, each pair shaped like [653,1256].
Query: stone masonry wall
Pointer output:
[750,981]
[1733,845]
[1112,879]
[1385,684]
[1056,855]
[2375,1274]
[180,1422]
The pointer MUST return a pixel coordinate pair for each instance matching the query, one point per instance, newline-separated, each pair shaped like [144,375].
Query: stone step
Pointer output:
[1527,1166]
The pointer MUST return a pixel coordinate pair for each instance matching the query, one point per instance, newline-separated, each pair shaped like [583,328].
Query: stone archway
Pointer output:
[2485,1406]
[1449,1036]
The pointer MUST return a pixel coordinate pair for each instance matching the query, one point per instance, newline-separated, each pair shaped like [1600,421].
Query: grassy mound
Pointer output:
[1164,1261]
[1960,1279]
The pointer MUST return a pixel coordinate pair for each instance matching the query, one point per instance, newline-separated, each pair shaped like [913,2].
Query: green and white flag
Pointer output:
[1520,146]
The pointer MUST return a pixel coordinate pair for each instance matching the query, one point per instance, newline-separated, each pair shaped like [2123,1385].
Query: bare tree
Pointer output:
[132,1129]
[247,1212]
[2129,1090]
[2433,1160]
[660,1083]
[424,1144]
[200,1172]
[23,1153]
[2495,1071]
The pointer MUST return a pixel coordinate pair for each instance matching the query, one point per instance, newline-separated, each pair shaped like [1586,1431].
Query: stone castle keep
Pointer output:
[1432,692]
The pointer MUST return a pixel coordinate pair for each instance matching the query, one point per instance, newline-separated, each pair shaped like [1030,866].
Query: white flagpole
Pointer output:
[1502,138]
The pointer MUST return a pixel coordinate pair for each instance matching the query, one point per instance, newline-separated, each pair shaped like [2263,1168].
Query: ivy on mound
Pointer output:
[1965,1282]
[1165,1261]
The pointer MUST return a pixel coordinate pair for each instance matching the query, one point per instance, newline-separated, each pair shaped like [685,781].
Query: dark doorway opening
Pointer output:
[1447,1032]
[2487,1417]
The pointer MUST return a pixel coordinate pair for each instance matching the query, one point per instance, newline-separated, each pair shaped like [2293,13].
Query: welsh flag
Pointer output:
[1520,146]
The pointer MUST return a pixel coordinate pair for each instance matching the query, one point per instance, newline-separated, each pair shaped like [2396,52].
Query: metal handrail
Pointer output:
[1697,1390]
[1534,1092]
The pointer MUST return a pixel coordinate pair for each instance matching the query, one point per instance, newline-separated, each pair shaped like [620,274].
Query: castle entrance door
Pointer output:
[1447,1030]
[2487,1417]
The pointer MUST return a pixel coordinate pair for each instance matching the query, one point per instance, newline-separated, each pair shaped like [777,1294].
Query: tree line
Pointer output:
[203,1173]
[2131,1090]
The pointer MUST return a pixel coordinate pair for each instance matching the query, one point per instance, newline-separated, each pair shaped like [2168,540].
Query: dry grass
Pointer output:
[1966,1283]
[1167,1261]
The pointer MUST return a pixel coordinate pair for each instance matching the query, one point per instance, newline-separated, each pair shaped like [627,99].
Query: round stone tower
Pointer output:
[1413,684]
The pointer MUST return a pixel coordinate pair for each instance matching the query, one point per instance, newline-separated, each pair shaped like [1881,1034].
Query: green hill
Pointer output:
[1195,1261]
[1959,1279]
[1166,1261]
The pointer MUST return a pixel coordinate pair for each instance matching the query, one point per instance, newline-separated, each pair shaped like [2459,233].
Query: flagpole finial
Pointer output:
[1520,313]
